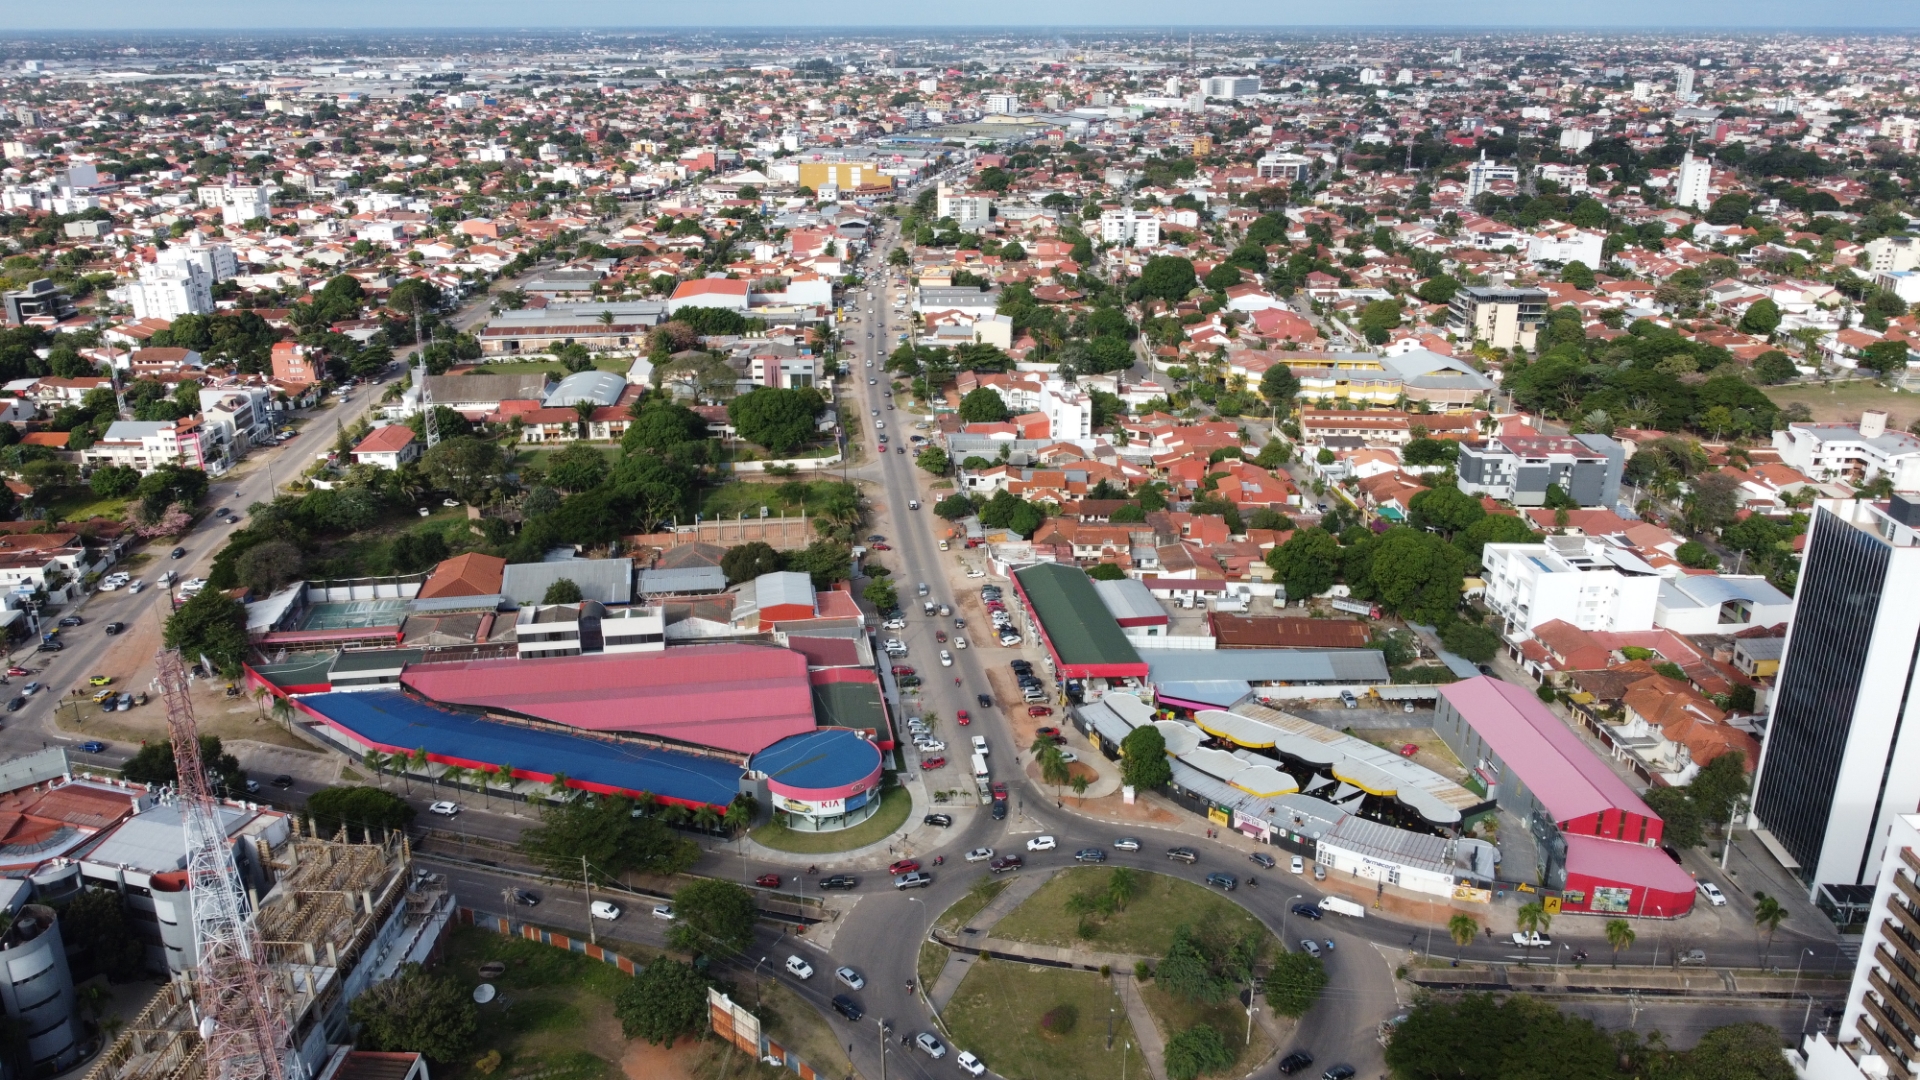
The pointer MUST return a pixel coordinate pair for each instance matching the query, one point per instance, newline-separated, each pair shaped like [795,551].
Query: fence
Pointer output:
[742,1031]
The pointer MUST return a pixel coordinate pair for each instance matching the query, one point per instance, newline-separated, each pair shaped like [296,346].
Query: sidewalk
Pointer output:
[918,836]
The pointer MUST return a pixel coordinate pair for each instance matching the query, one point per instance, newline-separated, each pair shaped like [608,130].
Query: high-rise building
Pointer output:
[1696,180]
[1003,104]
[1482,174]
[168,290]
[1875,1040]
[1683,80]
[1230,86]
[1842,748]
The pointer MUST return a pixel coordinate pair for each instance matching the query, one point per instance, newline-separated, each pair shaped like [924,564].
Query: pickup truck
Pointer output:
[1533,940]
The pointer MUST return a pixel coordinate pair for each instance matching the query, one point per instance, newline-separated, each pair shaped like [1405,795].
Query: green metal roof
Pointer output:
[850,705]
[302,669]
[1078,624]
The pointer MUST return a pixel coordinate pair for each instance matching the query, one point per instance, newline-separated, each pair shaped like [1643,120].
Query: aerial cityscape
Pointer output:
[1436,511]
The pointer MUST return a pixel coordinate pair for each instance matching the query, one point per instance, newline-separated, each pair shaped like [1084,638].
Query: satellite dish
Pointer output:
[206,1027]
[483,993]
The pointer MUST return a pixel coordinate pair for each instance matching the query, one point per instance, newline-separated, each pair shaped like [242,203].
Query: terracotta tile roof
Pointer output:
[471,574]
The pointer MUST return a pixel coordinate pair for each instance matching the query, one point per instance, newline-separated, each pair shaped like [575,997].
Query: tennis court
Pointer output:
[356,614]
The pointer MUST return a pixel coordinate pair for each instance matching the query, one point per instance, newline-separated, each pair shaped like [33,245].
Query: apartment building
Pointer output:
[1842,749]
[145,445]
[1520,468]
[1292,168]
[169,290]
[588,627]
[239,204]
[1230,87]
[1890,254]
[1694,183]
[1852,453]
[1128,227]
[969,210]
[1877,1037]
[1501,317]
[1591,582]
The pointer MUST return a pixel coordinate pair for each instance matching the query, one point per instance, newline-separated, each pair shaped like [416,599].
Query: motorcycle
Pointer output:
[813,869]
[939,860]
[1251,881]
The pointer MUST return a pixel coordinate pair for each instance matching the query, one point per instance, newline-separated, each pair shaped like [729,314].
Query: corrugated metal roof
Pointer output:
[687,580]
[1266,665]
[1541,750]
[817,760]
[1077,624]
[599,387]
[610,581]
[1129,599]
[783,587]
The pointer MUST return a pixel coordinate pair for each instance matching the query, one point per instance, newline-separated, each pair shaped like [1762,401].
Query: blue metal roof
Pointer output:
[818,760]
[395,721]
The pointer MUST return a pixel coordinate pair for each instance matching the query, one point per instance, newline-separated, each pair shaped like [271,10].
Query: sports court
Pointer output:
[355,614]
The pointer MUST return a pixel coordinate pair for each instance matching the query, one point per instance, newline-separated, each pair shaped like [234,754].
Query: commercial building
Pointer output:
[1082,639]
[844,176]
[40,301]
[540,329]
[1520,468]
[1842,750]
[1482,174]
[821,781]
[1230,87]
[1879,1032]
[1501,317]
[1596,842]
[145,445]
[1292,168]
[609,581]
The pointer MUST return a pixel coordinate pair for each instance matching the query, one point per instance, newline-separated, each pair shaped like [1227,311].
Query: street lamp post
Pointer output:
[1284,912]
[1804,953]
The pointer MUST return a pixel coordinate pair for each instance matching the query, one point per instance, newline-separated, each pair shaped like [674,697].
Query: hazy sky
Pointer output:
[1707,15]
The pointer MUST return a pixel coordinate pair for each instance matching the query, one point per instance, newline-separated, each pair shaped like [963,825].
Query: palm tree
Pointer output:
[558,785]
[505,773]
[1620,936]
[418,760]
[706,819]
[283,711]
[1053,766]
[372,760]
[1461,928]
[399,762]
[1768,914]
[454,775]
[1533,917]
[260,696]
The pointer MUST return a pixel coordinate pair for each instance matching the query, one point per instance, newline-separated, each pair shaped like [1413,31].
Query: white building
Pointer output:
[1293,168]
[217,261]
[239,205]
[1888,254]
[1575,139]
[1567,245]
[1683,80]
[169,290]
[144,445]
[965,208]
[1855,453]
[1719,604]
[1003,104]
[1591,582]
[1128,226]
[1483,174]
[1882,999]
[1231,87]
[1696,178]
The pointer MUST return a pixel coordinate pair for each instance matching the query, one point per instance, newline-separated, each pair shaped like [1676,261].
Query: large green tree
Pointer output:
[1168,277]
[213,625]
[1294,983]
[664,1001]
[1306,563]
[359,808]
[417,1011]
[747,561]
[665,428]
[1143,759]
[1480,1038]
[712,917]
[779,419]
[983,405]
[467,467]
[609,836]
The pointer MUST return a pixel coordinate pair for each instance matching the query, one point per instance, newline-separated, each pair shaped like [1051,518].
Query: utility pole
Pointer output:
[587,882]
[1728,846]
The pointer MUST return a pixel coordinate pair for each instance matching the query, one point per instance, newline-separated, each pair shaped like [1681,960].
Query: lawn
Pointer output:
[1145,928]
[976,901]
[554,1014]
[996,1014]
[541,458]
[786,498]
[933,960]
[1229,1018]
[1846,400]
[80,503]
[802,1029]
[615,364]
[895,805]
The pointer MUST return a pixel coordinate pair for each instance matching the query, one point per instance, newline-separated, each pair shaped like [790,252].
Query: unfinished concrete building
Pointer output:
[339,917]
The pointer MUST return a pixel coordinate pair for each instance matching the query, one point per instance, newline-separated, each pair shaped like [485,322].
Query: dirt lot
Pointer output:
[1846,400]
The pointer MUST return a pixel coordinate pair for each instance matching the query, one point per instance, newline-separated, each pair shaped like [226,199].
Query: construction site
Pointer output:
[264,994]
[341,916]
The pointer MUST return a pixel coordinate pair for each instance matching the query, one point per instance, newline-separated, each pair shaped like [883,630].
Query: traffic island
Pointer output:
[1041,1023]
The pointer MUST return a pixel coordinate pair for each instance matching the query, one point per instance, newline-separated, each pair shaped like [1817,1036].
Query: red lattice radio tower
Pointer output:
[240,1016]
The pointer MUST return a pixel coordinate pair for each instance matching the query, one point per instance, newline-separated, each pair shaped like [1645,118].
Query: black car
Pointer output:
[1223,882]
[115,627]
[839,881]
[1484,669]
[1263,859]
[985,701]
[999,809]
[283,781]
[525,897]
[1307,911]
[941,820]
[72,620]
[49,646]
[1021,665]
[1090,854]
[1294,1062]
[1338,1072]
[16,704]
[177,553]
[847,1007]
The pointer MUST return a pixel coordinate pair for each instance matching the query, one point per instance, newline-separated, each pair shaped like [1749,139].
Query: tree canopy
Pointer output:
[414,1010]
[779,419]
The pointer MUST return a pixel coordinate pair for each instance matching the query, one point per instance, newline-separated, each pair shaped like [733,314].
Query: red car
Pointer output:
[1047,732]
[902,669]
[1039,710]
[932,762]
[964,718]
[18,671]
[1410,749]
[904,866]
[940,635]
[768,881]
[880,547]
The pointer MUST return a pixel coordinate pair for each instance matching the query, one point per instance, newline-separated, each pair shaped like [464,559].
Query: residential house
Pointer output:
[388,447]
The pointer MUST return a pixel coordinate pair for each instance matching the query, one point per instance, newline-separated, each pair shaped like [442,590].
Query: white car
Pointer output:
[799,968]
[850,977]
[1299,865]
[975,572]
[959,643]
[970,1064]
[1068,756]
[444,808]
[602,909]
[980,854]
[664,911]
[946,658]
[980,745]
[1041,843]
[930,746]
[1713,894]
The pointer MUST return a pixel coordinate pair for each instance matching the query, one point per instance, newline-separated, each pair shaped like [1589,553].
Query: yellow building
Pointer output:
[845,175]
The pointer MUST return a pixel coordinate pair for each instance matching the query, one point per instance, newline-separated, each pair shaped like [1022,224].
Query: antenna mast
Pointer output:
[429,423]
[240,1018]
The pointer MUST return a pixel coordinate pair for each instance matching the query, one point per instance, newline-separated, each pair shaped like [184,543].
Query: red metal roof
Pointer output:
[742,698]
[1550,759]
